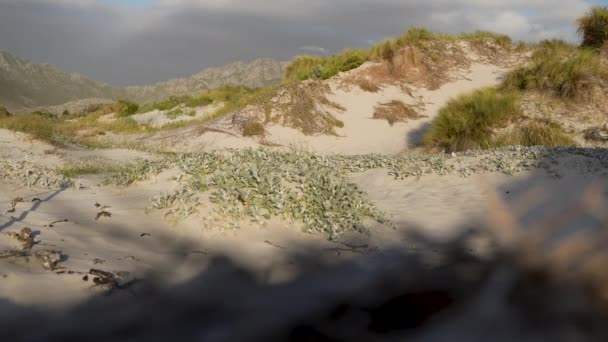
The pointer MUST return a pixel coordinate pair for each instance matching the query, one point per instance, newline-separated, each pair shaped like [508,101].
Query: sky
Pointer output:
[134,42]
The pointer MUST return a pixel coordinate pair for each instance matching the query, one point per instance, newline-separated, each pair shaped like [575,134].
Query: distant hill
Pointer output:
[25,85]
[259,73]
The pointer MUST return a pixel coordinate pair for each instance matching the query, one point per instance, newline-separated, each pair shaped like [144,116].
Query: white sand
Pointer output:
[363,134]
[439,207]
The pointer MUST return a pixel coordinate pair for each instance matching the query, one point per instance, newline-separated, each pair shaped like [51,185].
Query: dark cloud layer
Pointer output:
[172,38]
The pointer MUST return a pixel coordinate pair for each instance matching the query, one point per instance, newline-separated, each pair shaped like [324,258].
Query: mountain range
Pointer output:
[25,85]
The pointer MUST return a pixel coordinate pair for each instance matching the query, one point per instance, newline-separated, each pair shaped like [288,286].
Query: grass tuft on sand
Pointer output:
[593,27]
[395,111]
[537,133]
[561,69]
[468,121]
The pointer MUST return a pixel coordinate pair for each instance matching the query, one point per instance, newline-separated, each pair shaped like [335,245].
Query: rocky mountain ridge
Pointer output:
[25,85]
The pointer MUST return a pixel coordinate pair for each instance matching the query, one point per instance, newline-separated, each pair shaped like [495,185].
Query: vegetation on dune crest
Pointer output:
[563,70]
[316,67]
[420,37]
[467,122]
[593,27]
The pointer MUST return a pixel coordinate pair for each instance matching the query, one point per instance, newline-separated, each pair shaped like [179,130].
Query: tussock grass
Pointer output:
[468,121]
[59,130]
[168,104]
[4,113]
[80,169]
[178,111]
[38,127]
[486,36]
[538,133]
[253,129]
[593,27]
[299,106]
[199,101]
[561,69]
[316,67]
[395,111]
[126,108]
[420,37]
[368,86]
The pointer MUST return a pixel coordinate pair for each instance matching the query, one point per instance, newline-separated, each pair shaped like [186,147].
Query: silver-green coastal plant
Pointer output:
[258,185]
[29,174]
[180,203]
[139,170]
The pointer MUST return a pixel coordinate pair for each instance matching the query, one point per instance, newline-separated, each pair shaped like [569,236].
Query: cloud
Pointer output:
[161,39]
[314,49]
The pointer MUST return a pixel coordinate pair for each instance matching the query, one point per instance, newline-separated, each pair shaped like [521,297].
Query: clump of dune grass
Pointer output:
[420,37]
[4,113]
[168,104]
[74,170]
[468,121]
[536,133]
[415,36]
[559,68]
[199,101]
[178,111]
[368,86]
[593,27]
[487,36]
[253,129]
[395,111]
[317,67]
[302,106]
[126,108]
[39,127]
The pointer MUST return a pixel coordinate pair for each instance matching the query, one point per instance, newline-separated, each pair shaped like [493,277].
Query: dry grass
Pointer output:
[368,86]
[395,111]
[301,105]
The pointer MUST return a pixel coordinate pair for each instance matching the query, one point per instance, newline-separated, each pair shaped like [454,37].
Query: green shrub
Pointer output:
[126,108]
[594,27]
[468,121]
[253,129]
[557,67]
